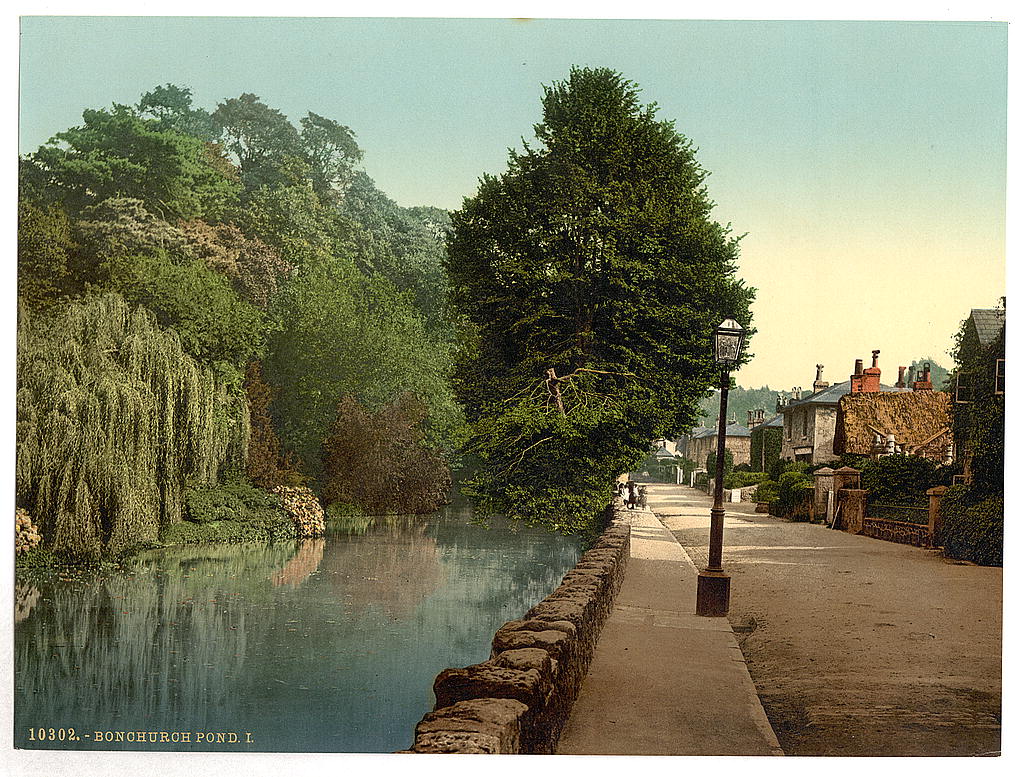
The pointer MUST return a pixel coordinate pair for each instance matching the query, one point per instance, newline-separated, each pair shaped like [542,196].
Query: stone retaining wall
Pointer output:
[898,531]
[519,700]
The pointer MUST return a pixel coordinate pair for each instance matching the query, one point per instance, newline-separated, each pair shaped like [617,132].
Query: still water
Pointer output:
[327,645]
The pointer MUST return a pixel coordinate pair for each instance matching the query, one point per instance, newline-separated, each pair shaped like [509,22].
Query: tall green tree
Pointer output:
[594,256]
[171,107]
[331,150]
[264,143]
[116,153]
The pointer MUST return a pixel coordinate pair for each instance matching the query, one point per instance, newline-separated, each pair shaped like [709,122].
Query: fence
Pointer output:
[904,513]
[918,526]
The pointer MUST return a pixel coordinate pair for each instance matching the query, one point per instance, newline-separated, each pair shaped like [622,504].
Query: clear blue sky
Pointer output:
[866,161]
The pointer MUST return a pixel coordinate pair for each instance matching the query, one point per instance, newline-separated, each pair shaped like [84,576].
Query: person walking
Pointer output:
[631,494]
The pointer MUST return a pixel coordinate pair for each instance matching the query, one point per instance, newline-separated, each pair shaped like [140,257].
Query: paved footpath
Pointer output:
[856,646]
[664,681]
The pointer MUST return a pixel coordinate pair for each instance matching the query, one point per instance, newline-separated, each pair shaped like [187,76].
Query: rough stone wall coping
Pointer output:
[519,700]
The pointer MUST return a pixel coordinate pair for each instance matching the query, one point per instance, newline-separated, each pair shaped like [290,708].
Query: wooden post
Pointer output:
[934,516]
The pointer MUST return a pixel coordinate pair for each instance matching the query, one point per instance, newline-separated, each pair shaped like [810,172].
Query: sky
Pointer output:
[864,162]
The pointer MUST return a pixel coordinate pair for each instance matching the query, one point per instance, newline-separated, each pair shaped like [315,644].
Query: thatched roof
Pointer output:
[920,421]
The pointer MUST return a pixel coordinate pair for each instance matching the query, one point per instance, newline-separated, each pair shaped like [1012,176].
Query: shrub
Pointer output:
[793,488]
[739,479]
[972,531]
[379,462]
[767,491]
[232,512]
[712,459]
[900,480]
[776,468]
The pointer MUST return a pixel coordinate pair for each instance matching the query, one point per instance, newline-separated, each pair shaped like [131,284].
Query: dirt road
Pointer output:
[856,646]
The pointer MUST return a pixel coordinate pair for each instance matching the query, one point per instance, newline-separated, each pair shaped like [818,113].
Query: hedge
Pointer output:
[972,532]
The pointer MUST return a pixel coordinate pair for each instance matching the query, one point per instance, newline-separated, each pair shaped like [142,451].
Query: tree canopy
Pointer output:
[243,242]
[594,255]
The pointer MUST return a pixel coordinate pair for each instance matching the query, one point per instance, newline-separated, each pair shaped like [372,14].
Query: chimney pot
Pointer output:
[874,358]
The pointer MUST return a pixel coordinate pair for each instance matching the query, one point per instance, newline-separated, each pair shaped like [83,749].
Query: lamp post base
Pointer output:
[712,594]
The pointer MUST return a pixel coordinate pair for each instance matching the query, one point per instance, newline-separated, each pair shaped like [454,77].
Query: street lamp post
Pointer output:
[713,583]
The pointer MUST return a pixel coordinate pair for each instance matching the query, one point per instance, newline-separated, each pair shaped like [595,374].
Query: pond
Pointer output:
[327,645]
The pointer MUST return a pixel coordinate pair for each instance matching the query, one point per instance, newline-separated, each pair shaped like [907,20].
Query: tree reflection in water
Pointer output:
[322,645]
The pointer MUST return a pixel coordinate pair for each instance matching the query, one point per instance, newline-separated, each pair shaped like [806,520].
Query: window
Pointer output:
[962,391]
[807,412]
[1000,376]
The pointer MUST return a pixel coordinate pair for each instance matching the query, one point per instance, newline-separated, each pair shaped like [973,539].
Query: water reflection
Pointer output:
[319,645]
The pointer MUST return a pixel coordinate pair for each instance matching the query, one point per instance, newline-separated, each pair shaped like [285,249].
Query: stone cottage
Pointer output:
[703,441]
[809,424]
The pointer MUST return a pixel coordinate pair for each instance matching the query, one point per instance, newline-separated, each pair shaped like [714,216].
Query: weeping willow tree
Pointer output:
[113,419]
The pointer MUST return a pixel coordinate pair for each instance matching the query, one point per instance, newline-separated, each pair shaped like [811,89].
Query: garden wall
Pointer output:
[519,700]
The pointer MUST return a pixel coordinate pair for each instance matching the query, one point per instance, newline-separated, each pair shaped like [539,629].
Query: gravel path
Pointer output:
[856,646]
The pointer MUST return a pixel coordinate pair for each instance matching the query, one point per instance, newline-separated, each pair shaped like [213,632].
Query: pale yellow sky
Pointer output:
[901,284]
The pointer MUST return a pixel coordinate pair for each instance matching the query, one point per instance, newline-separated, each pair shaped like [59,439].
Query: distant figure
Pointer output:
[631,494]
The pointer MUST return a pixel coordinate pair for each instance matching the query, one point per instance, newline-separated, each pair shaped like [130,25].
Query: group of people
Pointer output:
[629,491]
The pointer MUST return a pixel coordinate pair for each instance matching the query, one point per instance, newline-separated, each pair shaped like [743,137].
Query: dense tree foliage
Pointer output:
[114,418]
[593,256]
[240,239]
[380,462]
[740,401]
[116,153]
[45,250]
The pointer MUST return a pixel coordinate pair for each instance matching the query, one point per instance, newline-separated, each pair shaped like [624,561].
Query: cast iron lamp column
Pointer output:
[713,583]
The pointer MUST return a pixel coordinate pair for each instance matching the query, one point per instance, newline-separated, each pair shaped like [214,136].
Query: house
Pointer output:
[979,400]
[915,422]
[809,424]
[703,441]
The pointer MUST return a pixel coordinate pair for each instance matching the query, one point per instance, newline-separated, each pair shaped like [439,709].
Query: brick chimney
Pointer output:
[819,384]
[924,379]
[901,383]
[857,379]
[754,417]
[872,381]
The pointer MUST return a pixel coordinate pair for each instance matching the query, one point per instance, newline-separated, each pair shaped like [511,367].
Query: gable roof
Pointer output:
[988,323]
[832,395]
[772,423]
[731,430]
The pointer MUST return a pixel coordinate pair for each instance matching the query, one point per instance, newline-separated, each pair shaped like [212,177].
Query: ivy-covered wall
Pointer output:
[765,447]
[973,513]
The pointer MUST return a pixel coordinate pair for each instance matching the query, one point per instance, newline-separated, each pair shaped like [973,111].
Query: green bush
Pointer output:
[901,480]
[234,499]
[712,459]
[767,491]
[972,531]
[234,511]
[793,487]
[739,479]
